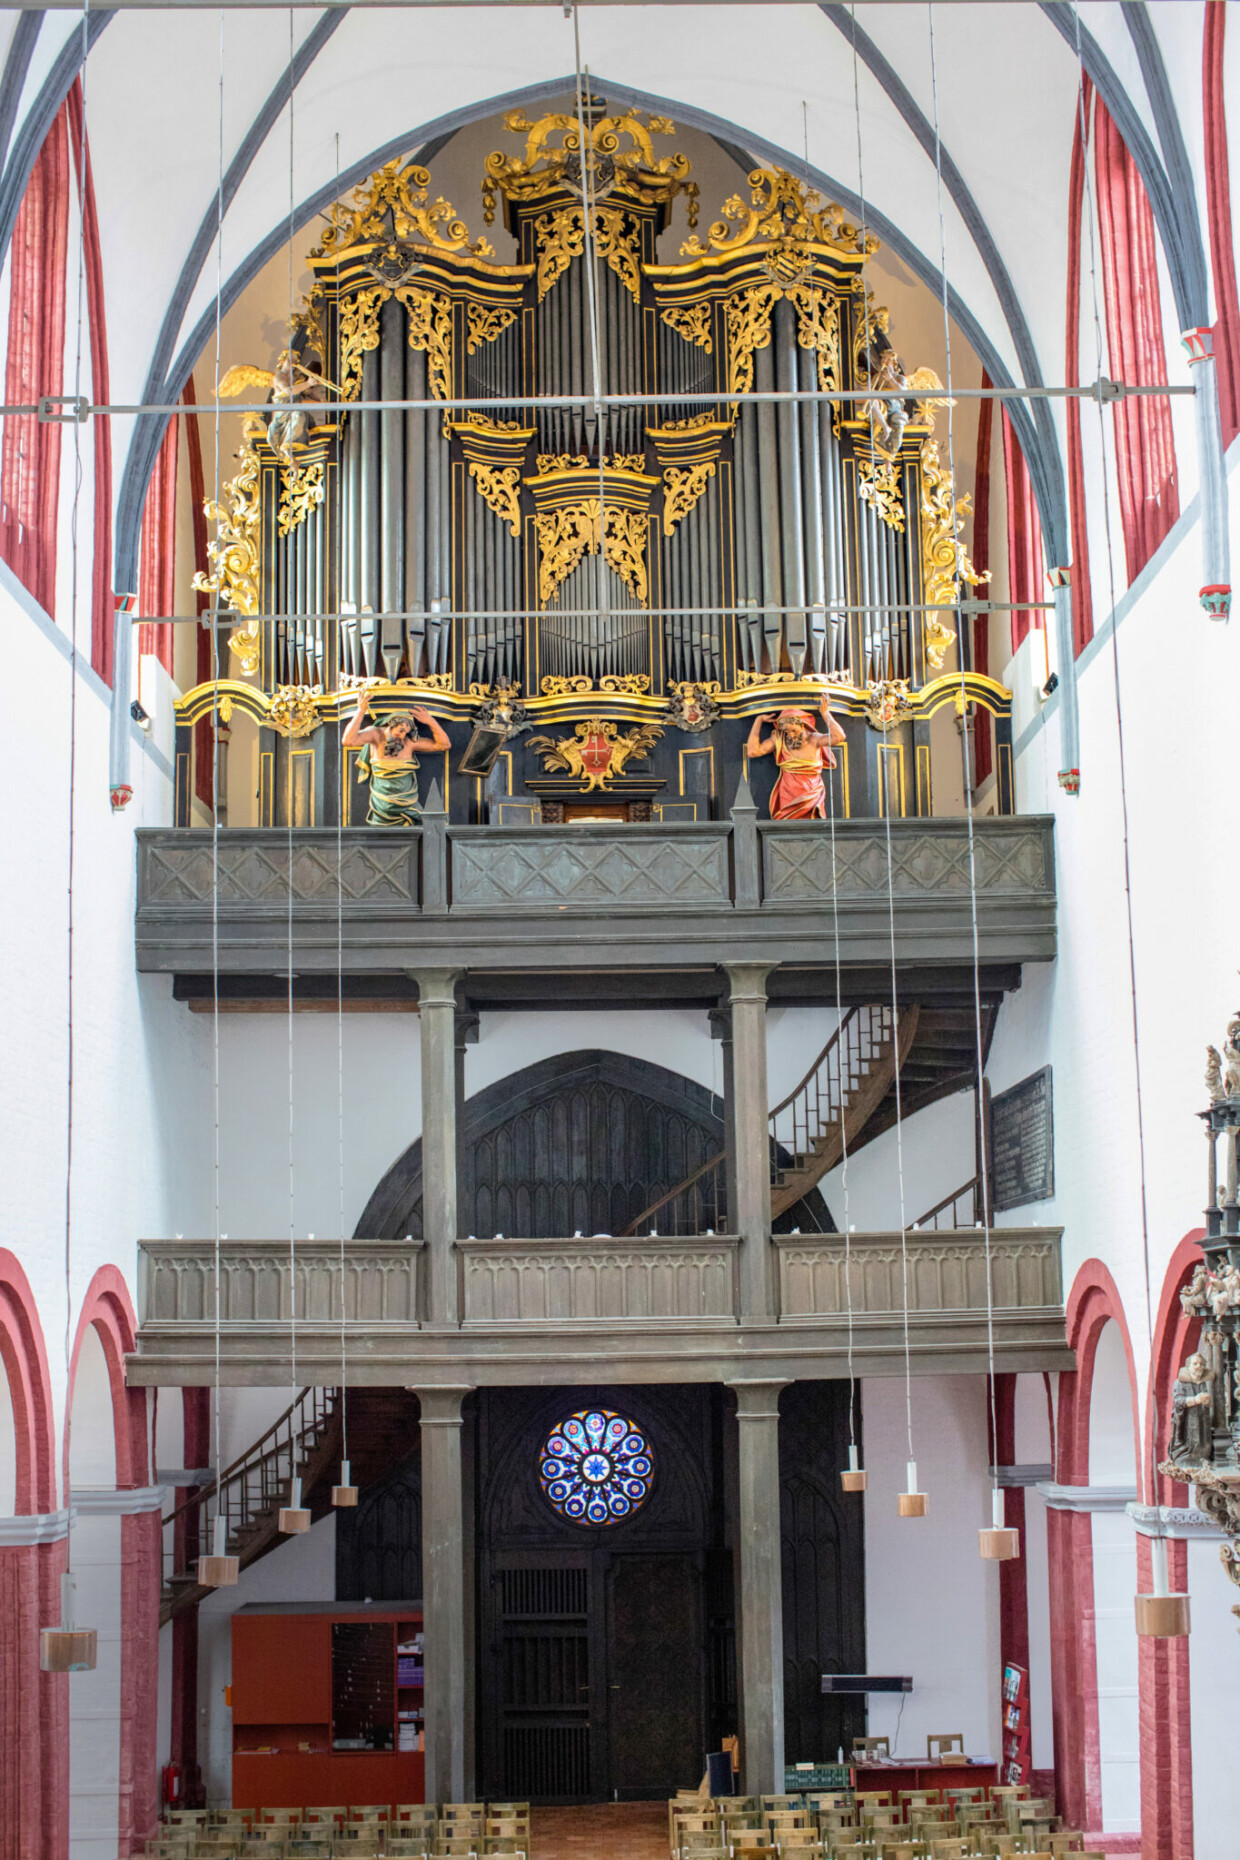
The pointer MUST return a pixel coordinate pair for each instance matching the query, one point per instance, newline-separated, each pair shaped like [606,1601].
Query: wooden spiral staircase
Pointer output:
[846,1099]
[304,1442]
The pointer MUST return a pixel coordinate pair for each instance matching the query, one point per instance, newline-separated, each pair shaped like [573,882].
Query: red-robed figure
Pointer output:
[801,754]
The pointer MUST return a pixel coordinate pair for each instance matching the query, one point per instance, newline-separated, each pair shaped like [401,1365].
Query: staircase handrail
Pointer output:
[973,1186]
[252,1453]
[712,1162]
[833,1041]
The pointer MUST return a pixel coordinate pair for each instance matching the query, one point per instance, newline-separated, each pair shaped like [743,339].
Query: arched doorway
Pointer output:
[578,1143]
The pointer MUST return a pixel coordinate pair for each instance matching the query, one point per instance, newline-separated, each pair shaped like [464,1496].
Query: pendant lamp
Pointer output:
[1161,1616]
[219,1570]
[911,1503]
[999,1544]
[345,1493]
[854,1478]
[293,1518]
[68,1648]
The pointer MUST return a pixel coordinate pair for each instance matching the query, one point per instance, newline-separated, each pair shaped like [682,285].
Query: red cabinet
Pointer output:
[327,1704]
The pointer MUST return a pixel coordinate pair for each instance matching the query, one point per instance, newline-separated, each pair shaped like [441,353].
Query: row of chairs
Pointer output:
[953,1824]
[404,1831]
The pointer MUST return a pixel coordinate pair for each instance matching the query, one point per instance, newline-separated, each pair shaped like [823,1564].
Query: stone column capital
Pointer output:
[436,987]
[747,981]
[757,1399]
[441,1405]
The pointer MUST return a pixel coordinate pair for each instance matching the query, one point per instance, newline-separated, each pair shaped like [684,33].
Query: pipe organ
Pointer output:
[602,557]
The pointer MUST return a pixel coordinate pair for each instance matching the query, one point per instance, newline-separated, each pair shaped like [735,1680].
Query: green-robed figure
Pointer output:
[389,762]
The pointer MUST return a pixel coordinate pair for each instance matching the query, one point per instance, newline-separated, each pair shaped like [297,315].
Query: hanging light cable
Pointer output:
[996,1542]
[1162,1615]
[217,1569]
[69,1648]
[292,1519]
[344,1494]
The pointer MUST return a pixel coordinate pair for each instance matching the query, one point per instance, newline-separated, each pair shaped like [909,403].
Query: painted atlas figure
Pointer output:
[801,754]
[389,761]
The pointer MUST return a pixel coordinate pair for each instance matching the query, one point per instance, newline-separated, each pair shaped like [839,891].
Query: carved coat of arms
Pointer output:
[596,752]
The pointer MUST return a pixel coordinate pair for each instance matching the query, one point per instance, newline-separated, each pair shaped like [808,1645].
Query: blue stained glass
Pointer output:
[596,1467]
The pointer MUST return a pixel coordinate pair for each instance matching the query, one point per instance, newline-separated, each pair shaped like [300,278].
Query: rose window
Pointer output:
[596,1467]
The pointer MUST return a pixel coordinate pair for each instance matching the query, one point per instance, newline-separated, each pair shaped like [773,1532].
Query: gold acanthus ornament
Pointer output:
[561,238]
[938,636]
[395,204]
[683,486]
[747,327]
[619,153]
[783,213]
[483,324]
[500,488]
[565,536]
[294,710]
[945,562]
[236,562]
[596,753]
[630,684]
[878,482]
[430,329]
[300,493]
[692,321]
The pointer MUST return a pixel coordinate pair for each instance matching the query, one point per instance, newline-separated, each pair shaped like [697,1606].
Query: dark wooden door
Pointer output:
[654,1693]
[543,1746]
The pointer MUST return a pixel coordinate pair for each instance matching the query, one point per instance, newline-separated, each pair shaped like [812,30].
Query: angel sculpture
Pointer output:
[1214,1075]
[888,418]
[287,383]
[1231,1059]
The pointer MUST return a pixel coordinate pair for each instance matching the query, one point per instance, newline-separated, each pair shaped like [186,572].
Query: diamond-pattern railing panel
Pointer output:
[798,867]
[253,868]
[510,874]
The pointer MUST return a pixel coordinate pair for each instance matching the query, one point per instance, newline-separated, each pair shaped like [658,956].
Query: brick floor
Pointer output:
[606,1830]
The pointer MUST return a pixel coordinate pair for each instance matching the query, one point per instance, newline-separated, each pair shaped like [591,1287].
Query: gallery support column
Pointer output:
[437,1009]
[761,1617]
[443,1594]
[748,1125]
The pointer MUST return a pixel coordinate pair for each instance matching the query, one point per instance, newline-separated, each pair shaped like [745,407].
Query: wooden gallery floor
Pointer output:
[608,1830]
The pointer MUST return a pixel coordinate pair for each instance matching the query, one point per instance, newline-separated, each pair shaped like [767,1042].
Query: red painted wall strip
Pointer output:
[157,570]
[1218,213]
[1026,570]
[102,602]
[1149,498]
[30,452]
[1082,591]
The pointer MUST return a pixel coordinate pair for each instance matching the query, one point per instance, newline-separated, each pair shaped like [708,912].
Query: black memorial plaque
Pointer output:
[1023,1142]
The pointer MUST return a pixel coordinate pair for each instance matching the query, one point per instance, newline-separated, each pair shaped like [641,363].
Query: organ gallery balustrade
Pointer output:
[612,587]
[669,1306]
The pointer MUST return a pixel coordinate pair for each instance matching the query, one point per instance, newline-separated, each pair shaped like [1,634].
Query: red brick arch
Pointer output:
[23,1353]
[108,1308]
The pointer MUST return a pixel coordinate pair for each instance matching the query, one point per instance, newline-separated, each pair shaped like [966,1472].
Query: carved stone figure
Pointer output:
[389,761]
[1223,1291]
[1193,1295]
[1231,1059]
[801,753]
[1214,1075]
[1192,1440]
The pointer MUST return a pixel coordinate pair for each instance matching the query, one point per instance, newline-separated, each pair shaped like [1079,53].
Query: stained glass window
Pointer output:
[596,1467]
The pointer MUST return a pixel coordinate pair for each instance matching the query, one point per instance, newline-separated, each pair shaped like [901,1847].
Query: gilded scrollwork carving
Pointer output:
[631,684]
[693,322]
[500,489]
[782,212]
[683,486]
[395,204]
[596,752]
[566,536]
[818,329]
[561,237]
[483,323]
[430,329]
[945,562]
[747,325]
[359,334]
[301,491]
[878,482]
[235,574]
[554,160]
[293,710]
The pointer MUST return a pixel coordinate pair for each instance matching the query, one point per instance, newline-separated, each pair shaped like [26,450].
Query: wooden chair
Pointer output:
[779,1801]
[753,1841]
[332,1817]
[777,1818]
[951,1849]
[311,1850]
[863,1748]
[873,1798]
[407,1848]
[276,1818]
[1067,1841]
[800,1841]
[269,1849]
[941,1744]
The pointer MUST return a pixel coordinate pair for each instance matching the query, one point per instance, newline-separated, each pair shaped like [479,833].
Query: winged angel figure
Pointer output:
[888,418]
[287,383]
